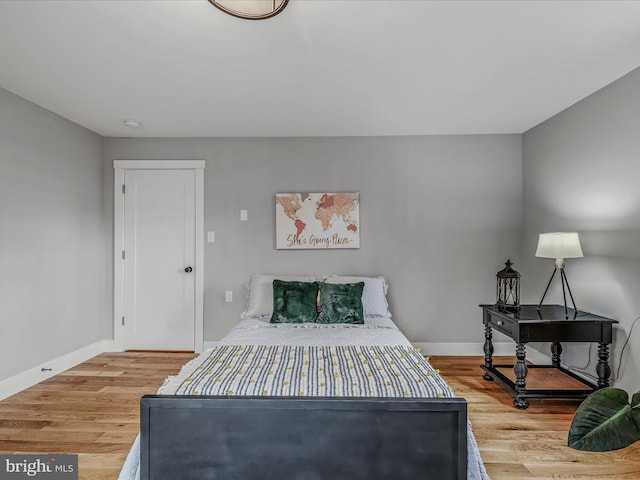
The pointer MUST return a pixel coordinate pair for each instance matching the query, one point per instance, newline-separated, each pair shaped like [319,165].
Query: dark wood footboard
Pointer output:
[314,438]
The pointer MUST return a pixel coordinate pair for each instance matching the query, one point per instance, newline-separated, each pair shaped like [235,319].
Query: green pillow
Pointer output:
[341,303]
[294,302]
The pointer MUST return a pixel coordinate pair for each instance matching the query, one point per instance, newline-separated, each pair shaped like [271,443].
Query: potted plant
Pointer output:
[606,420]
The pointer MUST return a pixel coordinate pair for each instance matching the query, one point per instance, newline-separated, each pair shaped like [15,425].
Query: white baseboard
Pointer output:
[477,349]
[37,374]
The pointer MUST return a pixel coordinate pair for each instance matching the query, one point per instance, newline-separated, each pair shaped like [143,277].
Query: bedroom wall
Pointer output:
[52,237]
[581,171]
[439,217]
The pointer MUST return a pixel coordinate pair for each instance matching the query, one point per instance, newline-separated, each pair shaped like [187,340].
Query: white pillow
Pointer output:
[374,295]
[260,296]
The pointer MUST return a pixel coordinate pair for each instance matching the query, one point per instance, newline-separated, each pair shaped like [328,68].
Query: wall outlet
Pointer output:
[211,237]
[228,296]
[243,215]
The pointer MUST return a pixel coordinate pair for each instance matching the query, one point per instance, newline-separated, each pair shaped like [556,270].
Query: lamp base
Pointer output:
[565,289]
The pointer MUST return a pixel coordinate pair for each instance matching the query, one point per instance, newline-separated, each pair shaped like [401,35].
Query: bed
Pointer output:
[309,399]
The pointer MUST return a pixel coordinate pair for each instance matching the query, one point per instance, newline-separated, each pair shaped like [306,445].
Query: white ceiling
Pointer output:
[320,68]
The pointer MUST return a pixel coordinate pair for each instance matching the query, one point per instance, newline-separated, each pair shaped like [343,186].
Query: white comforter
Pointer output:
[376,331]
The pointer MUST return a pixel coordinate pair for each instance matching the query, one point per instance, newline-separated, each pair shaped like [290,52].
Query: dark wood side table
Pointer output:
[547,324]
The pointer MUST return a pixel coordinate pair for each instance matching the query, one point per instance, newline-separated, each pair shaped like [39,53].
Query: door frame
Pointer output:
[120,166]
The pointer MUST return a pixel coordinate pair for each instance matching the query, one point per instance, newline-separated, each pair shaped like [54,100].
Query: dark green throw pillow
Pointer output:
[294,302]
[341,303]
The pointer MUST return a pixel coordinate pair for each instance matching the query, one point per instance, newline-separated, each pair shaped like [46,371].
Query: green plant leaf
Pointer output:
[606,421]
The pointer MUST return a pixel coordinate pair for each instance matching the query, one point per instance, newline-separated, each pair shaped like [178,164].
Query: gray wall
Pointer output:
[581,171]
[52,236]
[439,217]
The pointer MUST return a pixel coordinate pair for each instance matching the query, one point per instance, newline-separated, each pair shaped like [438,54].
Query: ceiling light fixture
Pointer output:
[250,9]
[131,123]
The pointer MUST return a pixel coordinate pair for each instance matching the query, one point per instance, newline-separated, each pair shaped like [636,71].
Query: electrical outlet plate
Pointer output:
[211,237]
[228,296]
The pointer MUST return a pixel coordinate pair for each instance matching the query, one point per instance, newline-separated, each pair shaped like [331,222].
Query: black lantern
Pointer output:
[508,288]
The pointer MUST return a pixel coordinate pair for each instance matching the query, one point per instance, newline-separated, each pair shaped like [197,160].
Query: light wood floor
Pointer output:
[528,444]
[92,410]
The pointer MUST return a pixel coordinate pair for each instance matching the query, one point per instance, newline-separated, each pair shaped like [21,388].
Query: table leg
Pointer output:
[556,351]
[520,369]
[603,369]
[488,351]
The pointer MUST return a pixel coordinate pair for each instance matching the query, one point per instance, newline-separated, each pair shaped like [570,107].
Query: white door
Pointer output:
[159,260]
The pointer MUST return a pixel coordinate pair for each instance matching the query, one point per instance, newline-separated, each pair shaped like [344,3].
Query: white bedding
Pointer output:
[376,331]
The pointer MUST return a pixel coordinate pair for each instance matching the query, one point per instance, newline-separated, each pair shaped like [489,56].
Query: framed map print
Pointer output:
[317,220]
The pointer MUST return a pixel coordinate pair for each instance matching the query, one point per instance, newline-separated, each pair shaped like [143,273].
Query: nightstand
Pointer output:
[545,324]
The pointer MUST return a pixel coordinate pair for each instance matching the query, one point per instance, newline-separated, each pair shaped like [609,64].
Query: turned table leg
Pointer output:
[488,351]
[556,352]
[603,369]
[520,369]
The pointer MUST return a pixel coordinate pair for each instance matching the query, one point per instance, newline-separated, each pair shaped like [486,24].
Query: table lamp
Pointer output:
[559,245]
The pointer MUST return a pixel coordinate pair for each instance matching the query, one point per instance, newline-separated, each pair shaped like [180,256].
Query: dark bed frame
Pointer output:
[294,438]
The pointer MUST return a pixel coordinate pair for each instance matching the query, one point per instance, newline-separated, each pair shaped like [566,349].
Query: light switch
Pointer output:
[228,296]
[211,237]
[243,215]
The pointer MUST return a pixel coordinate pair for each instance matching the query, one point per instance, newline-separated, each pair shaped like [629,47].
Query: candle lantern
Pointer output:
[508,288]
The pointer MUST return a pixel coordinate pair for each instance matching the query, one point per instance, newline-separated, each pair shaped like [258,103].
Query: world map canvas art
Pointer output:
[317,220]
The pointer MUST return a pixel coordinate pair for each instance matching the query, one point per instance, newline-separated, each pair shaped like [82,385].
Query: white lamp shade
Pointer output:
[559,245]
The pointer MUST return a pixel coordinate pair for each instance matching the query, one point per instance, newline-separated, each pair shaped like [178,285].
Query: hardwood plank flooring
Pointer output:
[92,410]
[529,444]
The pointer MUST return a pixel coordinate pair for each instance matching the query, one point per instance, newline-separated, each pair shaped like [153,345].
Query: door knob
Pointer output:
[188,269]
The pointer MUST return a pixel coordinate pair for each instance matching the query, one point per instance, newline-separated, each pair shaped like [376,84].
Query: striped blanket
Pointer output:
[327,371]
